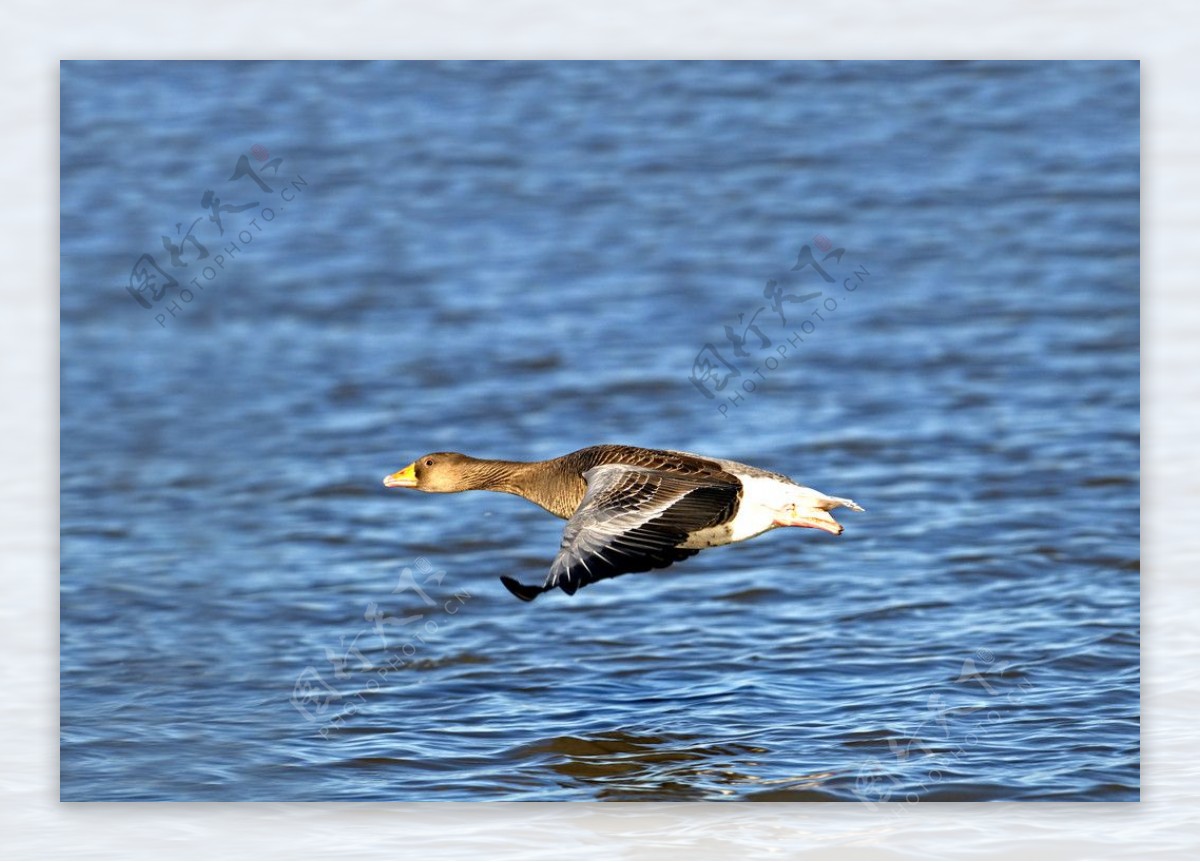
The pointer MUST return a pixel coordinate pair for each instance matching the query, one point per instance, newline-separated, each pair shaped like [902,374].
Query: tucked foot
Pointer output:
[814,515]
[815,520]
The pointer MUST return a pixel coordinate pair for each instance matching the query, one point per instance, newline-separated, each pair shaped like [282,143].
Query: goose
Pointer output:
[630,509]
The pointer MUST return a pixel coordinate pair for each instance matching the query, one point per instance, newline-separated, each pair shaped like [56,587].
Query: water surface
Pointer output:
[520,260]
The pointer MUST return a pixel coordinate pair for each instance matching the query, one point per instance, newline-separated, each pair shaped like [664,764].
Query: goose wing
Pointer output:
[632,519]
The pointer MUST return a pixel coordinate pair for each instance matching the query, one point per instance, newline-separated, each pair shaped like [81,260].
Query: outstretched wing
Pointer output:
[632,519]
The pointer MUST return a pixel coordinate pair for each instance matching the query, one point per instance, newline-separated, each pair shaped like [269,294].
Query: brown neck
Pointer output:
[556,490]
[490,475]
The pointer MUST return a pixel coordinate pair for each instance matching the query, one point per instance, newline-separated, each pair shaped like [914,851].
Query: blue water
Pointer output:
[517,260]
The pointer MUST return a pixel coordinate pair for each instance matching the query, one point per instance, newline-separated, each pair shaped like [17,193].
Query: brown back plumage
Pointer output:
[558,484]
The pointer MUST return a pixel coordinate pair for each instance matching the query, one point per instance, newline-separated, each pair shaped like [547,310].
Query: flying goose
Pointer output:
[630,509]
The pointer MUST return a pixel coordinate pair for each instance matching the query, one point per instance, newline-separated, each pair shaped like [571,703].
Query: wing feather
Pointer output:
[632,519]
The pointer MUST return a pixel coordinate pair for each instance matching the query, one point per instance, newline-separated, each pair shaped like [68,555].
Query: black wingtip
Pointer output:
[521,591]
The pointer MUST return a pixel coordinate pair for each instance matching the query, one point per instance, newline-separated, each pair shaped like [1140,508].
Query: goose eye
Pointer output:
[428,462]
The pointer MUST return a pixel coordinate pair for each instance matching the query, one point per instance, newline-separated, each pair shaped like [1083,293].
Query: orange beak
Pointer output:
[406,478]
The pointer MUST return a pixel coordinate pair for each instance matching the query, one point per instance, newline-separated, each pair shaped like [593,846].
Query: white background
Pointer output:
[1163,35]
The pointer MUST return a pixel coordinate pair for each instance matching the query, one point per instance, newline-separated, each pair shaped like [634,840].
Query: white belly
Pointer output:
[762,499]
